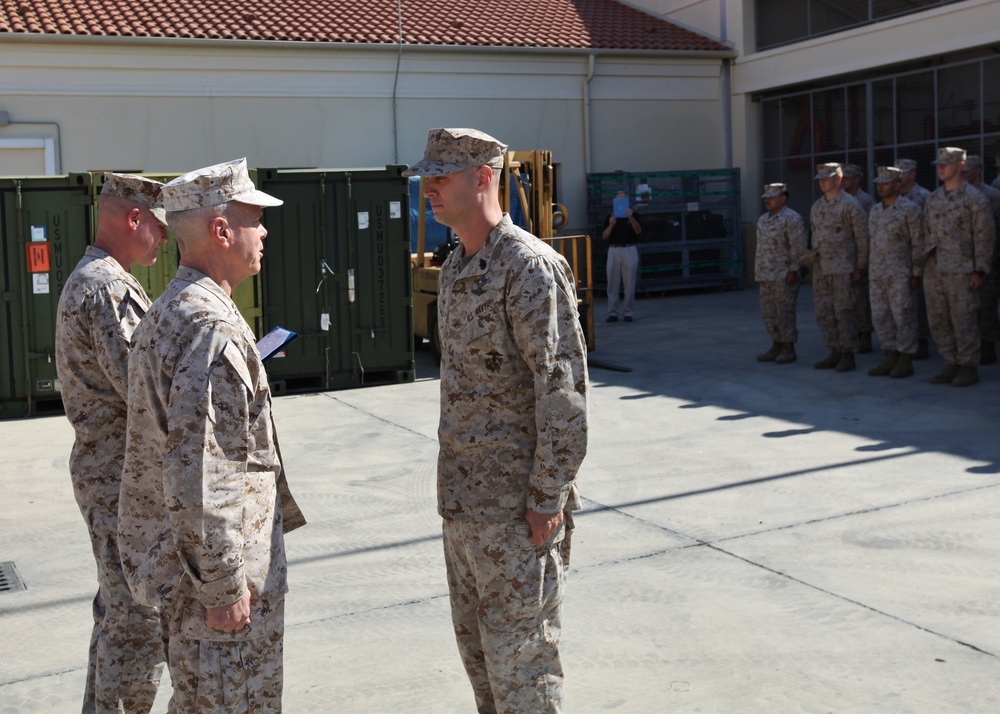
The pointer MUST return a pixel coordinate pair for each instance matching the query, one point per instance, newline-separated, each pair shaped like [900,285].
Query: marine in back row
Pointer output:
[911,263]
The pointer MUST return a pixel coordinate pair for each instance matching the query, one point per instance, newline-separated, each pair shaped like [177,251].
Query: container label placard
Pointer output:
[38,258]
[38,233]
[395,209]
[362,220]
[40,283]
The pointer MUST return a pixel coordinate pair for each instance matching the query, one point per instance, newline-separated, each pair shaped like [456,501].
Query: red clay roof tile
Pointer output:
[580,24]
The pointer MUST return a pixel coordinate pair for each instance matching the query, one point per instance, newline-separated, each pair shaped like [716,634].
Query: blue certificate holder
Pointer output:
[274,342]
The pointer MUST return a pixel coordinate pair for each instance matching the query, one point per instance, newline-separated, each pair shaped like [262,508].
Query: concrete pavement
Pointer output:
[757,538]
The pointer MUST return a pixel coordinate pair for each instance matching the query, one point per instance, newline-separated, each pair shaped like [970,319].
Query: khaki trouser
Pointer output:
[506,601]
[127,648]
[227,673]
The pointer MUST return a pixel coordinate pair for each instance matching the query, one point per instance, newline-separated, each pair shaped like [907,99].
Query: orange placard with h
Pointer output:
[38,257]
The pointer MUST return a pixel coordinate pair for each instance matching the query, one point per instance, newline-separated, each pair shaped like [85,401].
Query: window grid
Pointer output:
[902,115]
[783,22]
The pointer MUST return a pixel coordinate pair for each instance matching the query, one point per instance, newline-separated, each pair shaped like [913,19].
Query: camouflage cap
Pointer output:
[774,189]
[212,185]
[452,150]
[905,165]
[973,162]
[888,174]
[949,155]
[830,170]
[137,189]
[853,170]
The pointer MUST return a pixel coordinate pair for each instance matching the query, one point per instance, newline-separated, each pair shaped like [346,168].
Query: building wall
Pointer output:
[165,107]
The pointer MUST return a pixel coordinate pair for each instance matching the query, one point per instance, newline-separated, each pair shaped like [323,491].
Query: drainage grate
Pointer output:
[10,580]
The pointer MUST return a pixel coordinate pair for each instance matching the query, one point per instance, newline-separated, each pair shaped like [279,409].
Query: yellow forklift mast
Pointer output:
[530,175]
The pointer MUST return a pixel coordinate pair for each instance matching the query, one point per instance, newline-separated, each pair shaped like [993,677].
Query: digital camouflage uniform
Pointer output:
[839,246]
[513,432]
[897,247]
[961,233]
[989,320]
[99,308]
[204,500]
[781,242]
[862,291]
[918,195]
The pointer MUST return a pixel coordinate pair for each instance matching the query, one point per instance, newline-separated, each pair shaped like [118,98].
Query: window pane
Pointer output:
[796,126]
[883,113]
[771,117]
[991,98]
[915,107]
[882,9]
[958,103]
[830,119]
[833,15]
[780,22]
[857,116]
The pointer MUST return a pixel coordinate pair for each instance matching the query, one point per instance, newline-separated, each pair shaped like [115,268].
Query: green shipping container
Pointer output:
[46,225]
[336,270]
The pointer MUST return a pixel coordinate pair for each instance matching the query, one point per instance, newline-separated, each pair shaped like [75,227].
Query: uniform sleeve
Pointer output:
[859,226]
[113,317]
[544,320]
[797,243]
[205,463]
[983,233]
[918,239]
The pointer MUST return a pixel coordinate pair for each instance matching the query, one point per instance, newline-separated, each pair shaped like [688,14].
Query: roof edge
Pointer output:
[44,38]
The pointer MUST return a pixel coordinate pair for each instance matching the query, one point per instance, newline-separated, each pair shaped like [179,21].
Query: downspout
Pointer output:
[727,98]
[395,83]
[586,112]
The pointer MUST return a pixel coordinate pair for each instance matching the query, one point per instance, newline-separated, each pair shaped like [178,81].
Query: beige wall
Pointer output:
[163,107]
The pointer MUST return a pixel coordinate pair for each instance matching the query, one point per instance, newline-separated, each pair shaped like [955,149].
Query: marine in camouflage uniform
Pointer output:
[852,185]
[896,227]
[989,319]
[915,193]
[204,501]
[961,235]
[99,308]
[781,242]
[839,256]
[513,429]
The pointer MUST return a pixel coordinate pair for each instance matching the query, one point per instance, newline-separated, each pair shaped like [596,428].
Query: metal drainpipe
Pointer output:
[727,99]
[586,112]
[25,333]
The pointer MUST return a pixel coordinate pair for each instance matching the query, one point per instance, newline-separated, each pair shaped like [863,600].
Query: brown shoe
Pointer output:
[904,366]
[830,362]
[945,376]
[771,354]
[846,363]
[966,377]
[883,369]
[787,353]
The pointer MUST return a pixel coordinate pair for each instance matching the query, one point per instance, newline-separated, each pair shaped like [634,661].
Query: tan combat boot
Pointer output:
[829,362]
[945,376]
[771,354]
[787,353]
[967,376]
[883,369]
[904,366]
[846,363]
